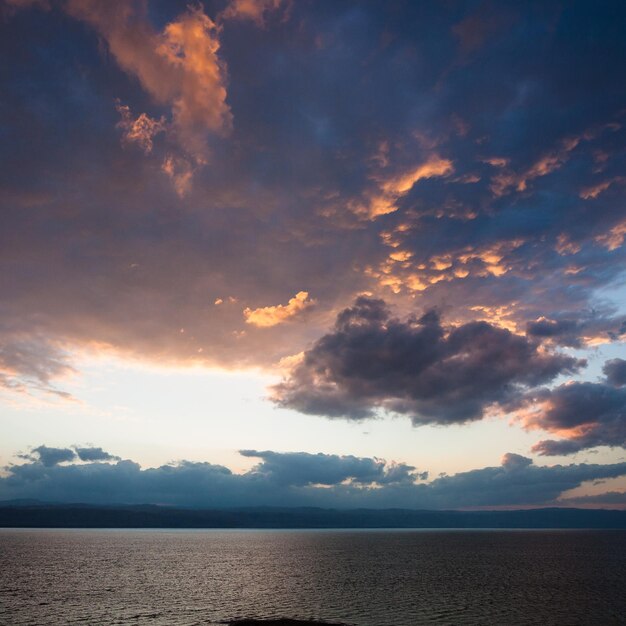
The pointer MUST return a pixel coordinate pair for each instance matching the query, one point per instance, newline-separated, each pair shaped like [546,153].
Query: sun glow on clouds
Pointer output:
[155,413]
[327,147]
[254,10]
[265,317]
[179,67]
[392,188]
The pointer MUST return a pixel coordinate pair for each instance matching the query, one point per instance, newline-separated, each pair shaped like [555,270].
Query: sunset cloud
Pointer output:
[32,363]
[550,162]
[614,238]
[585,415]
[140,130]
[265,317]
[173,167]
[254,10]
[391,189]
[371,361]
[179,67]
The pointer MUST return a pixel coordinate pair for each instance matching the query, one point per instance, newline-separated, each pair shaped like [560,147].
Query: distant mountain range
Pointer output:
[34,514]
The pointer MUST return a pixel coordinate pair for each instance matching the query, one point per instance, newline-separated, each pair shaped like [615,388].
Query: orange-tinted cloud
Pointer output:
[399,270]
[594,191]
[272,315]
[392,188]
[140,130]
[179,67]
[614,238]
[253,10]
[549,162]
[180,171]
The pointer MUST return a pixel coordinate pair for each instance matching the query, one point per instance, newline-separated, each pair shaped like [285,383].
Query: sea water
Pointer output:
[365,578]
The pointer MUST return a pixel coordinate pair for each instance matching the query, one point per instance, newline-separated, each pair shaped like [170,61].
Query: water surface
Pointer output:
[365,578]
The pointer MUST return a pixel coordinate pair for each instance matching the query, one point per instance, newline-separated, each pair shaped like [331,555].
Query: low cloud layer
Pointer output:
[301,469]
[49,457]
[299,479]
[434,374]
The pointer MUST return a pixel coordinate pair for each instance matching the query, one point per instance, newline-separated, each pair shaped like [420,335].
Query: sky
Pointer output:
[321,253]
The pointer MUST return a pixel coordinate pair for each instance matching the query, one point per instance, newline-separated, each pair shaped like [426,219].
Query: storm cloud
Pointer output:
[415,367]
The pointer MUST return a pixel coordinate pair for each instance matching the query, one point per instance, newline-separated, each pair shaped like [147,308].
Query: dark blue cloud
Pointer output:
[301,469]
[94,454]
[49,457]
[314,480]
[615,372]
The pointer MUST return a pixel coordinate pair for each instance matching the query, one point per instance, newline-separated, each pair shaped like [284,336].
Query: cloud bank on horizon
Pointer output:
[298,479]
[220,183]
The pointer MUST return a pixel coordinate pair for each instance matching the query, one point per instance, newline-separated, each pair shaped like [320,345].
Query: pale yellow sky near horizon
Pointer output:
[155,414]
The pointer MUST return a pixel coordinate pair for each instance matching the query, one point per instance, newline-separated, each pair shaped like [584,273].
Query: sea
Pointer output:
[362,578]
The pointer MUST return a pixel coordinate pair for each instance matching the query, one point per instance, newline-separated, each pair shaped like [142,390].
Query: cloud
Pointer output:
[391,188]
[595,190]
[614,238]
[544,327]
[514,461]
[316,116]
[615,372]
[584,414]
[399,273]
[371,361]
[610,498]
[271,315]
[549,162]
[179,67]
[300,479]
[585,330]
[301,468]
[31,363]
[141,130]
[254,10]
[180,171]
[474,30]
[49,457]
[518,482]
[190,46]
[94,454]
